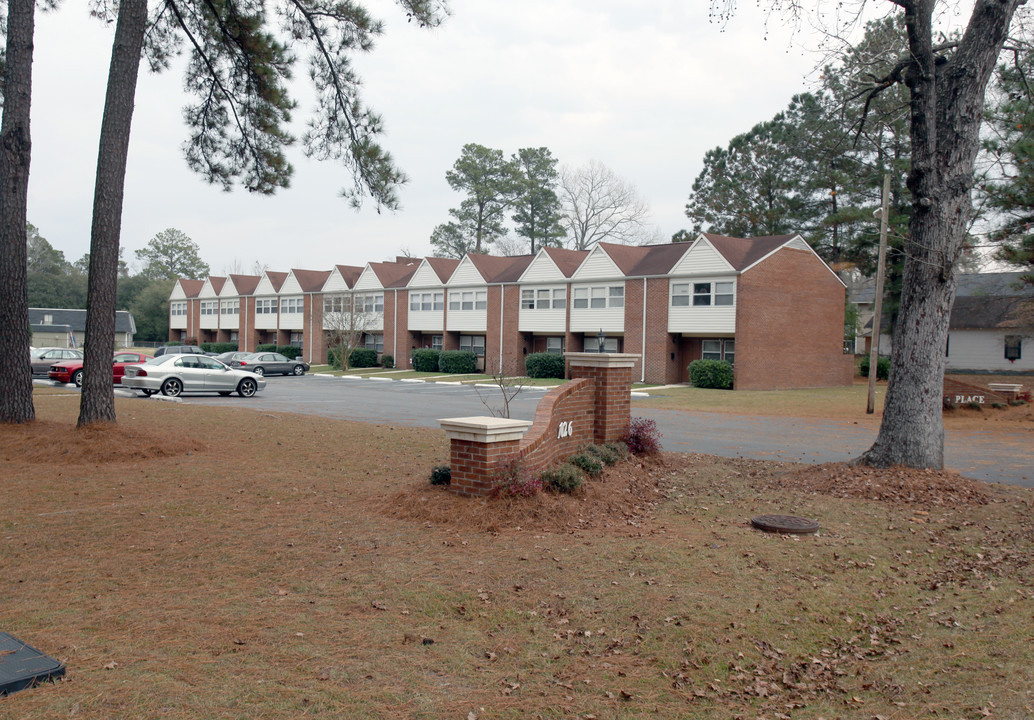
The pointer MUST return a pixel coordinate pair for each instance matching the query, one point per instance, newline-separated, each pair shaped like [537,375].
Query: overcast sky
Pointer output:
[644,88]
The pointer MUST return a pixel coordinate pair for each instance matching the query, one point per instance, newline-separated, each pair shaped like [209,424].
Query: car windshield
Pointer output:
[159,360]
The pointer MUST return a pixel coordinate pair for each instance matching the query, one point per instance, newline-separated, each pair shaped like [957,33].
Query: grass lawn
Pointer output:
[221,563]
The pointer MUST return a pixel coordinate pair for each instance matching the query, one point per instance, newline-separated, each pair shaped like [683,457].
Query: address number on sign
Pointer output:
[566,429]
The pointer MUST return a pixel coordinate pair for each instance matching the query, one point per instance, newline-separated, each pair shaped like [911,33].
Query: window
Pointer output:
[468,301]
[370,303]
[723,293]
[439,301]
[592,344]
[604,296]
[701,294]
[296,339]
[473,343]
[559,298]
[481,300]
[230,307]
[266,306]
[48,319]
[335,304]
[527,299]
[375,341]
[1013,347]
[454,301]
[176,308]
[680,294]
[426,301]
[436,342]
[555,345]
[718,350]
[414,301]
[290,306]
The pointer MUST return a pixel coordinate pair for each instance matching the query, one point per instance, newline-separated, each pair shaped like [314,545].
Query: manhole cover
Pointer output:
[785,524]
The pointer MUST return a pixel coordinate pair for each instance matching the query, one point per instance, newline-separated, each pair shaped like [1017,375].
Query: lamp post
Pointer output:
[601,338]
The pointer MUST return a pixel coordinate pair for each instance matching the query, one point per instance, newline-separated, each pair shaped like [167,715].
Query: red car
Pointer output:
[71,371]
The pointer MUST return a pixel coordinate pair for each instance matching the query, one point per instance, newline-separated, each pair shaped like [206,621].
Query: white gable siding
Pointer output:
[264,287]
[207,290]
[368,280]
[985,350]
[177,293]
[425,276]
[597,265]
[798,244]
[542,270]
[702,259]
[335,283]
[291,286]
[466,274]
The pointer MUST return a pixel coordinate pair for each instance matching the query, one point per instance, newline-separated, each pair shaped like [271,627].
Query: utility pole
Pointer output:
[877,317]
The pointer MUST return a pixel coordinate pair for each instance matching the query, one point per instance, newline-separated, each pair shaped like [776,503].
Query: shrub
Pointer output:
[266,347]
[882,367]
[715,374]
[618,448]
[361,357]
[642,437]
[425,359]
[290,351]
[564,478]
[606,454]
[219,347]
[972,405]
[949,404]
[457,362]
[387,361]
[544,365]
[587,462]
[514,479]
[441,475]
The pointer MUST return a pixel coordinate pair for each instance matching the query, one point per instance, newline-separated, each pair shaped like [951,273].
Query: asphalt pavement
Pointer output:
[995,457]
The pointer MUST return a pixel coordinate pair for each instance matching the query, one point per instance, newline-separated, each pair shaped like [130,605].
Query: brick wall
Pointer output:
[789,325]
[314,340]
[612,399]
[573,403]
[473,464]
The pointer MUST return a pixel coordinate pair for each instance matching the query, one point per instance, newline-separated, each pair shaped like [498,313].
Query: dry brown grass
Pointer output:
[211,563]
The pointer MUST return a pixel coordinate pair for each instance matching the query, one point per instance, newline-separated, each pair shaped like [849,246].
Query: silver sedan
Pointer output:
[173,375]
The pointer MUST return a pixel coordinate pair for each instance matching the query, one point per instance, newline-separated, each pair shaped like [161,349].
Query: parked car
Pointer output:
[173,375]
[271,363]
[178,350]
[44,357]
[71,371]
[229,357]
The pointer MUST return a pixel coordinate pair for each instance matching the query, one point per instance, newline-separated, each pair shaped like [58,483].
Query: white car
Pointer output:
[174,375]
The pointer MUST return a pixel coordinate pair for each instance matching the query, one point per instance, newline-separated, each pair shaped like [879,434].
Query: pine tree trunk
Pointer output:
[15,154]
[98,400]
[946,107]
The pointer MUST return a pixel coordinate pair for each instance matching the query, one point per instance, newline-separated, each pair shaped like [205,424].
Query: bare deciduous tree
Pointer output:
[600,205]
[346,322]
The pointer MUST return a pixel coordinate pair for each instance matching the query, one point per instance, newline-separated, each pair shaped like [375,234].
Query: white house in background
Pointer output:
[57,327]
[992,325]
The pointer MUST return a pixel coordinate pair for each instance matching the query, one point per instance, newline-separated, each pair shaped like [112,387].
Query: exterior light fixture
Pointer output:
[601,337]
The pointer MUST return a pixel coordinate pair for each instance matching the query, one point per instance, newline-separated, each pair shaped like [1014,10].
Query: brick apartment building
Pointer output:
[770,305]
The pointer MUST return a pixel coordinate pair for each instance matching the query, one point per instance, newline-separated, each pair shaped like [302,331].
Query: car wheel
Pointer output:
[260,371]
[299,370]
[172,387]
[77,378]
[247,387]
[148,393]
[224,393]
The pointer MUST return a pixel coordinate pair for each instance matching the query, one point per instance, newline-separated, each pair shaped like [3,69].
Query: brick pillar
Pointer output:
[611,374]
[478,447]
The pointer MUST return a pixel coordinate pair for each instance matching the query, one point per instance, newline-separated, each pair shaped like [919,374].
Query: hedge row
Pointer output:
[458,362]
[544,365]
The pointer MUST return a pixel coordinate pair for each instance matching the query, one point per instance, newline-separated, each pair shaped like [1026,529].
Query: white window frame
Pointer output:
[473,343]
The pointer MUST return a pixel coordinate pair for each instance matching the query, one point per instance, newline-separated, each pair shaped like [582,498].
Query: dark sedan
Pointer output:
[270,363]
[43,358]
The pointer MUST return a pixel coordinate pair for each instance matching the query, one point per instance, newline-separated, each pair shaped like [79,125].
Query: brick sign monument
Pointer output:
[593,407]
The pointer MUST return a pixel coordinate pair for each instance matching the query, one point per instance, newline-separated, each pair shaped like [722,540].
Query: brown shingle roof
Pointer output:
[496,269]
[567,261]
[1001,312]
[349,273]
[191,288]
[443,267]
[276,279]
[311,280]
[217,283]
[741,253]
[245,284]
[393,275]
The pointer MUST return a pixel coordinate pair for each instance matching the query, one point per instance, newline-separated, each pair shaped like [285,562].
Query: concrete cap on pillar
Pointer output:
[484,429]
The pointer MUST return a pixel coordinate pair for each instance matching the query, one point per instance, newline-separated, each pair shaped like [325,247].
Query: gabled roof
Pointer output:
[191,288]
[217,283]
[276,279]
[76,319]
[349,273]
[495,269]
[645,260]
[567,261]
[245,284]
[1004,284]
[443,267]
[741,253]
[393,274]
[973,312]
[311,280]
